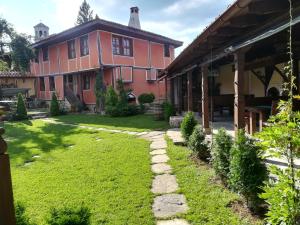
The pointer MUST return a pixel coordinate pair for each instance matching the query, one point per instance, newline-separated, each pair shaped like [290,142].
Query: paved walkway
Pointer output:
[167,203]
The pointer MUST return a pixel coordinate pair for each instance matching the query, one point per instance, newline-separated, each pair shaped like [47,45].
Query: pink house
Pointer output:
[67,62]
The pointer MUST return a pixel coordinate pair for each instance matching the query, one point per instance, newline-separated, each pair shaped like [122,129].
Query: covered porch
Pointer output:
[233,73]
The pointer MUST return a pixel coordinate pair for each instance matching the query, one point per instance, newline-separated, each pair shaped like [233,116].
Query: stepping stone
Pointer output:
[172,222]
[159,159]
[158,152]
[163,184]
[161,168]
[158,144]
[169,205]
[36,156]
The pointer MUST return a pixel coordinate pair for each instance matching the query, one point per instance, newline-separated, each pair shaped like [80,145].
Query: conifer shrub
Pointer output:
[168,110]
[21,218]
[21,112]
[221,154]
[54,106]
[198,144]
[187,126]
[247,170]
[111,97]
[70,216]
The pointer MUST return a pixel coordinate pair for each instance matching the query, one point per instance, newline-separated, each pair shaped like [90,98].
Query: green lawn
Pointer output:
[110,175]
[131,123]
[208,200]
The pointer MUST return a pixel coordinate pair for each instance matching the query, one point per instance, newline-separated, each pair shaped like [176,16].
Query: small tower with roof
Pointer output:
[41,31]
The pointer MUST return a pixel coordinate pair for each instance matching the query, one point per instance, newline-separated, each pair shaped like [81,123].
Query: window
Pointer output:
[42,84]
[52,83]
[71,49]
[45,54]
[122,46]
[36,55]
[86,82]
[167,50]
[84,46]
[116,45]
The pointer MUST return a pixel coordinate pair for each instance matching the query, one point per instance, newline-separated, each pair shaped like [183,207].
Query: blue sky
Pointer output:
[178,19]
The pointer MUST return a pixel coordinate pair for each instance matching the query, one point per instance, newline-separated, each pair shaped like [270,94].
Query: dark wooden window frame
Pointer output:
[42,84]
[167,50]
[72,49]
[84,45]
[36,55]
[86,80]
[121,45]
[52,83]
[45,54]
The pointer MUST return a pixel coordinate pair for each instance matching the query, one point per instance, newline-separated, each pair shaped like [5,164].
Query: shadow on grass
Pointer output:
[138,122]
[26,139]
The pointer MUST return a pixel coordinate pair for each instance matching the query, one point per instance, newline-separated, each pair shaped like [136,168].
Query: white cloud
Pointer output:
[180,7]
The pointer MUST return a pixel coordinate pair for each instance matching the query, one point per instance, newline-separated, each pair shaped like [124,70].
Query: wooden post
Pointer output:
[7,211]
[239,98]
[172,97]
[205,100]
[190,90]
[179,92]
[166,89]
[252,118]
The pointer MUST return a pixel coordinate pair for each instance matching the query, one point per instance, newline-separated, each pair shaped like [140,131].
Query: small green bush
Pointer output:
[168,110]
[187,126]
[69,216]
[21,112]
[54,106]
[21,218]
[221,154]
[247,170]
[198,144]
[122,110]
[111,97]
[146,98]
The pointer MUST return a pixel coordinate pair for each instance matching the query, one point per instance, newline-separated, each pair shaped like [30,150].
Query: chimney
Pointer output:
[134,20]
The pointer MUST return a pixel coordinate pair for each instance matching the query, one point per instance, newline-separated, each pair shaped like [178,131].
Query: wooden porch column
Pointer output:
[172,96]
[179,92]
[239,98]
[166,89]
[205,100]
[7,211]
[190,90]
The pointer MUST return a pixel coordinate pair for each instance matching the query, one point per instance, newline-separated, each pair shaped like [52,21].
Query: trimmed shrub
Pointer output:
[111,97]
[21,113]
[247,170]
[187,126]
[168,110]
[69,216]
[21,218]
[122,110]
[221,154]
[198,144]
[146,98]
[54,106]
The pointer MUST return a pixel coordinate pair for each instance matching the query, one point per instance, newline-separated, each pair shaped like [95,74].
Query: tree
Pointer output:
[6,34]
[21,113]
[3,66]
[85,13]
[99,90]
[21,53]
[54,106]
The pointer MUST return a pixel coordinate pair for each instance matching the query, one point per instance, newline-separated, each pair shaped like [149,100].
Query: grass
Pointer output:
[132,123]
[109,173]
[207,199]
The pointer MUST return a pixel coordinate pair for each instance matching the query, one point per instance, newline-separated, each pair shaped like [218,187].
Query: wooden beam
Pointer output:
[179,94]
[190,90]
[228,31]
[283,76]
[205,103]
[266,61]
[239,98]
[248,20]
[265,7]
[172,96]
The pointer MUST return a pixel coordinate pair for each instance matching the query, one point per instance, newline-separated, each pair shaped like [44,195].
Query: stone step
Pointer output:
[164,184]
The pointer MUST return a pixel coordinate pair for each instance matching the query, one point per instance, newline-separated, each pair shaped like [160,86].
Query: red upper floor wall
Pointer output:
[144,54]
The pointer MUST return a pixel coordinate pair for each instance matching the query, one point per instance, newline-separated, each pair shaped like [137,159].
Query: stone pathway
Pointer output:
[167,202]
